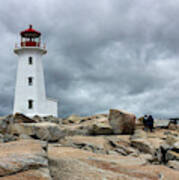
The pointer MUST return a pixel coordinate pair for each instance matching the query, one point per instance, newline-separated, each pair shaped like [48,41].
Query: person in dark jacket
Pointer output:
[150,123]
[145,122]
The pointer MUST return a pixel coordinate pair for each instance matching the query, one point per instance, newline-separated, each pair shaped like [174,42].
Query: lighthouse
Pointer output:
[30,95]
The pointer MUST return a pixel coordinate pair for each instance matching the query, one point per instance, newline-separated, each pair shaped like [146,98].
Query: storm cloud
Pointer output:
[101,54]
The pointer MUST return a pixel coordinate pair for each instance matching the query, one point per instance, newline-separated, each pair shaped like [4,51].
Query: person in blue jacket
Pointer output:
[150,123]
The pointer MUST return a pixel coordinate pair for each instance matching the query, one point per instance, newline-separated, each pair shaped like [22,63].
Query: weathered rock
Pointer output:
[172,126]
[122,122]
[67,163]
[100,129]
[1,138]
[21,158]
[32,174]
[172,155]
[173,164]
[5,123]
[72,119]
[37,118]
[21,118]
[161,153]
[139,134]
[171,139]
[175,147]
[44,131]
[143,145]
[121,145]
[9,137]
[96,126]
[52,119]
[98,144]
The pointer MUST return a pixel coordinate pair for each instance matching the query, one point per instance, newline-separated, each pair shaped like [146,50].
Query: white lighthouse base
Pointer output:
[46,108]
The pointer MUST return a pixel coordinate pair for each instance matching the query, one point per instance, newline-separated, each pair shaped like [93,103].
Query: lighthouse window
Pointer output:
[30,81]
[30,104]
[30,60]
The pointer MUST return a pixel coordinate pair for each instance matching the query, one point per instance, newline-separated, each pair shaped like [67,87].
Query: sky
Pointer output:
[102,54]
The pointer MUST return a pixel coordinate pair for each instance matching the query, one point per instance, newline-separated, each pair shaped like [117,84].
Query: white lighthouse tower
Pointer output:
[30,97]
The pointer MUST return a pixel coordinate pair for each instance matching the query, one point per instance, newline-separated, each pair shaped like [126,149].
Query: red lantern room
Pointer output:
[30,37]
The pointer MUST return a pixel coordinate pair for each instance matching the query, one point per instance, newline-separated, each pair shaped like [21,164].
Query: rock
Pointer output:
[45,131]
[67,163]
[121,145]
[23,159]
[175,147]
[72,119]
[122,122]
[172,126]
[173,164]
[5,123]
[1,138]
[33,174]
[9,137]
[139,134]
[172,155]
[37,118]
[97,144]
[24,136]
[143,145]
[20,118]
[100,129]
[52,119]
[96,126]
[161,153]
[171,139]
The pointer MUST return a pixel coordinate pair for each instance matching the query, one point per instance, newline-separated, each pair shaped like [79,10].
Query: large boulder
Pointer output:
[24,159]
[44,131]
[94,125]
[122,122]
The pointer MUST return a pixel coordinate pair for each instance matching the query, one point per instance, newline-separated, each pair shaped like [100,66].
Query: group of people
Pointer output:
[148,122]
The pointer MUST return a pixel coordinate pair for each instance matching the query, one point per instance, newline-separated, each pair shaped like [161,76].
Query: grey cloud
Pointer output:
[103,54]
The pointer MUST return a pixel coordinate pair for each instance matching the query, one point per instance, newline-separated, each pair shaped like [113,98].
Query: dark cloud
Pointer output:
[101,55]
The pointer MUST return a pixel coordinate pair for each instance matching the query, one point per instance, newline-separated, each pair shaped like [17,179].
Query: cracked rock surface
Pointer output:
[85,148]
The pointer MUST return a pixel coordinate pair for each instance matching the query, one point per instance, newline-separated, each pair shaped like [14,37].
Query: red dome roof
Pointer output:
[30,33]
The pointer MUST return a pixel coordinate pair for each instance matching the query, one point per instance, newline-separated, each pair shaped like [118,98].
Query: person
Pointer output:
[150,123]
[145,122]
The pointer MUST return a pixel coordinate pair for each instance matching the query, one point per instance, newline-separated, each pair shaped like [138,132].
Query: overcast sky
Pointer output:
[102,54]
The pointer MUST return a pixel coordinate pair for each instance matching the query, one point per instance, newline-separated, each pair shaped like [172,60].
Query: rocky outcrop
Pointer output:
[25,159]
[50,119]
[72,119]
[20,118]
[68,163]
[85,148]
[44,131]
[94,125]
[96,144]
[122,122]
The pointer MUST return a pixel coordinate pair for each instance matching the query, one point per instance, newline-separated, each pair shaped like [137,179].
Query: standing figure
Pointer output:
[145,122]
[150,123]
